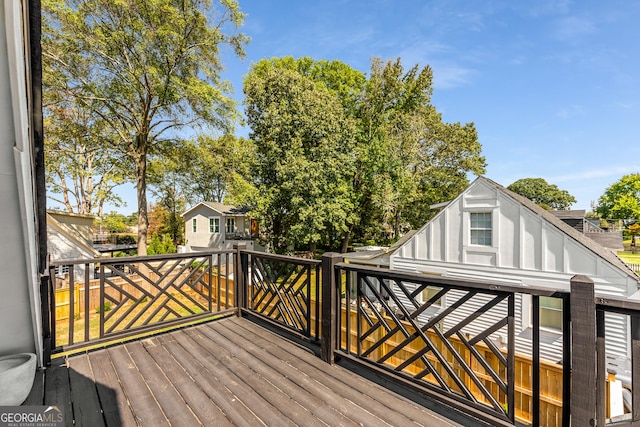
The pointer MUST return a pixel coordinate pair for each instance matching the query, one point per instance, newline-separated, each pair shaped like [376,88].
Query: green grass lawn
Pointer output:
[62,325]
[629,257]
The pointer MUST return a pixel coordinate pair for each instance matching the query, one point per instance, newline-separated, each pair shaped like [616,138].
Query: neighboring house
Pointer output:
[70,237]
[492,234]
[590,227]
[214,226]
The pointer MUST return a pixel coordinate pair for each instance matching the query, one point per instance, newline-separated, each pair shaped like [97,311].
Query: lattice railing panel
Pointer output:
[283,289]
[453,339]
[116,297]
[144,293]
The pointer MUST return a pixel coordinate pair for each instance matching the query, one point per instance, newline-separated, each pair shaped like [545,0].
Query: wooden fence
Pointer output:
[62,294]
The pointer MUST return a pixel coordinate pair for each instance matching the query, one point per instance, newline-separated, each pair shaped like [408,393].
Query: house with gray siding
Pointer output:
[491,234]
[215,226]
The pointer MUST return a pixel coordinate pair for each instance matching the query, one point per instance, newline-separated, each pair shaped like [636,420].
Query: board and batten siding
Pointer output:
[526,250]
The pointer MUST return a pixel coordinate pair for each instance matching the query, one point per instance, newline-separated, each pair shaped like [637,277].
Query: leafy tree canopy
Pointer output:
[114,222]
[82,168]
[539,191]
[409,158]
[304,158]
[204,169]
[621,200]
[399,158]
[146,68]
[159,246]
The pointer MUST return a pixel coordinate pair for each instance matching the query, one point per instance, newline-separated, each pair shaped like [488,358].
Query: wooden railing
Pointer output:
[283,290]
[453,340]
[135,295]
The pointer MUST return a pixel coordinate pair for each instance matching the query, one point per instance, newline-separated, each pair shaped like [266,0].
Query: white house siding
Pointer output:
[526,250]
[20,317]
[61,247]
[81,226]
[202,238]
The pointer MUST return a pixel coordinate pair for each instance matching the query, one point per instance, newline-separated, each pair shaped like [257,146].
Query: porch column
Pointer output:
[238,277]
[329,305]
[583,352]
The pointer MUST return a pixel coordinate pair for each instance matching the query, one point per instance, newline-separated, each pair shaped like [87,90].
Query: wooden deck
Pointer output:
[228,372]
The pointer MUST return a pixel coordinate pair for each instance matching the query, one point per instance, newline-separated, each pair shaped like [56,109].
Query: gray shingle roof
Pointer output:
[222,208]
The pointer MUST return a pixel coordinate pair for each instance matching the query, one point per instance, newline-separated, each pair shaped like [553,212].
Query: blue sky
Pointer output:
[553,86]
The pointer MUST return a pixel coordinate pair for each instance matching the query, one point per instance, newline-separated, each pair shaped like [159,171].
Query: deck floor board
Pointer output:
[114,401]
[202,406]
[222,373]
[84,391]
[313,380]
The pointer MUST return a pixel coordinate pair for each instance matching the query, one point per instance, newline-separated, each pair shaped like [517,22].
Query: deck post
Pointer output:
[583,351]
[45,304]
[329,304]
[238,277]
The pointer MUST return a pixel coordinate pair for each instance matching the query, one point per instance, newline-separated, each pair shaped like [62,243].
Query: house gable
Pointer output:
[528,245]
[64,244]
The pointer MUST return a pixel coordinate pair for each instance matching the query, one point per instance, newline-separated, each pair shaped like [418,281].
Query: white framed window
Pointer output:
[551,313]
[480,226]
[214,225]
[194,225]
[231,225]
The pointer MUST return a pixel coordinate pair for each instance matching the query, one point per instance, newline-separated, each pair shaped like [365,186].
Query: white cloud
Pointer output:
[571,111]
[573,29]
[449,76]
[615,172]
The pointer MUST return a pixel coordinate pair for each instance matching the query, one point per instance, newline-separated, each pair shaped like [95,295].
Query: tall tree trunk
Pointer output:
[346,239]
[141,187]
[396,224]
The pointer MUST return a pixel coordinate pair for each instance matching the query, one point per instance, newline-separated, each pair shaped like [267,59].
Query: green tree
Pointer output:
[82,168]
[147,68]
[304,158]
[634,230]
[336,76]
[404,155]
[207,169]
[114,222]
[540,192]
[621,200]
[158,246]
[408,158]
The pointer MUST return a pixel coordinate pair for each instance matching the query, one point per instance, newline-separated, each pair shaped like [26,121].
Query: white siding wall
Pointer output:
[202,237]
[61,247]
[525,250]
[20,319]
